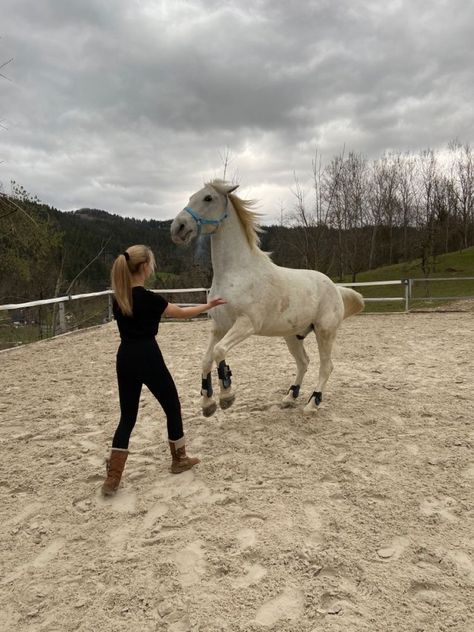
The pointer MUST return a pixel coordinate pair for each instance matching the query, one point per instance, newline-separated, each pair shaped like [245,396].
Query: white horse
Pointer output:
[263,298]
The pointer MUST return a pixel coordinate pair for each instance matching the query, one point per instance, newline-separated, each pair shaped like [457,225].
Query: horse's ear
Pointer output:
[230,188]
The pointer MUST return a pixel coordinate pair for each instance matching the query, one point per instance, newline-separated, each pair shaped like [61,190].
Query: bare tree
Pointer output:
[427,169]
[347,188]
[407,198]
[226,159]
[310,220]
[304,219]
[463,187]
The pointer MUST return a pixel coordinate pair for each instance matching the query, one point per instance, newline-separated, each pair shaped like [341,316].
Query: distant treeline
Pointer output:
[400,207]
[359,215]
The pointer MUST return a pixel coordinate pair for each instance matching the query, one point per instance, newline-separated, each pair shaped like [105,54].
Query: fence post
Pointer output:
[110,314]
[62,318]
[407,284]
[207,301]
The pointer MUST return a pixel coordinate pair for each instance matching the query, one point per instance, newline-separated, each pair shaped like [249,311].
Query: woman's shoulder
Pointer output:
[152,297]
[150,294]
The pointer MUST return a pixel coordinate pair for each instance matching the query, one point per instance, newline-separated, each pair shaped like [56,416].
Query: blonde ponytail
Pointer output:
[124,266]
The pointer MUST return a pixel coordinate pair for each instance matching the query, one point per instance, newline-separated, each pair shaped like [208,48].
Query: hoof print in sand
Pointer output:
[289,605]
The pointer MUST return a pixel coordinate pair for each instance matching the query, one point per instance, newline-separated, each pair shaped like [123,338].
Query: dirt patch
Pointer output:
[462,305]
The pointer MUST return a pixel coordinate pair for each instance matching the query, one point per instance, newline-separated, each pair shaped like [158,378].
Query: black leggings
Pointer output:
[140,362]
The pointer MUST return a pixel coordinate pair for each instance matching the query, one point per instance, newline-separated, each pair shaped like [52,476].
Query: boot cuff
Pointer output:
[179,443]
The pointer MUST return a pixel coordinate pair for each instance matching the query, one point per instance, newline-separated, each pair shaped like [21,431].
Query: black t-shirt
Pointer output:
[147,310]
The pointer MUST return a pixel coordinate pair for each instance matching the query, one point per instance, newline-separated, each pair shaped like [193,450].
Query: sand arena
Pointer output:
[357,519]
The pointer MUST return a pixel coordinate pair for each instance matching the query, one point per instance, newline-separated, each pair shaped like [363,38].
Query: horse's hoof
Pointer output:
[288,402]
[313,403]
[227,402]
[210,410]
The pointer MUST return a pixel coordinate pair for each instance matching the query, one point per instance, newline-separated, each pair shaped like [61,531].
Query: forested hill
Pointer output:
[87,232]
[45,252]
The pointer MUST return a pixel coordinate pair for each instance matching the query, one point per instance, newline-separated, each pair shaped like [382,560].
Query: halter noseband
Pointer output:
[202,221]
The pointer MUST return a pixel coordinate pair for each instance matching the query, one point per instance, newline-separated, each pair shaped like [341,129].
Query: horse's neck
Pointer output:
[230,249]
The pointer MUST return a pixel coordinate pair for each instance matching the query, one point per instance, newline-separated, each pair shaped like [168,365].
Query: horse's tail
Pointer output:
[353,301]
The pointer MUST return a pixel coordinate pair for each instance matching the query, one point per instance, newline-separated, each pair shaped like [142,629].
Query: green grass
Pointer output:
[12,336]
[451,265]
[165,279]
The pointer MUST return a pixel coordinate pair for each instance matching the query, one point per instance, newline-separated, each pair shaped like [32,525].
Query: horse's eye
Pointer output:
[208,198]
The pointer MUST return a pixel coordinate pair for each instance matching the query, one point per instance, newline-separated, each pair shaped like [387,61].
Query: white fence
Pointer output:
[408,290]
[62,300]
[397,299]
[405,298]
[28,322]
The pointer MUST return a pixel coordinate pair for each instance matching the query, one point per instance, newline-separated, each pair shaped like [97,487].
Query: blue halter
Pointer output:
[202,221]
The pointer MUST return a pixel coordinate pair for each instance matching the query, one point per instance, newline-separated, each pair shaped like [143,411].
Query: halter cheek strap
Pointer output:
[202,221]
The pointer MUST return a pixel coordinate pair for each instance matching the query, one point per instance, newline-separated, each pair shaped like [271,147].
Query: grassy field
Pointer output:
[450,266]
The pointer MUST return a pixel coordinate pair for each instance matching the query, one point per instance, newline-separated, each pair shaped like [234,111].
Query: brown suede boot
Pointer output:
[114,464]
[180,462]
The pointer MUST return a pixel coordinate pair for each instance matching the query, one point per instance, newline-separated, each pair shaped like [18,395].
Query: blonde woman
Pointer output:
[139,361]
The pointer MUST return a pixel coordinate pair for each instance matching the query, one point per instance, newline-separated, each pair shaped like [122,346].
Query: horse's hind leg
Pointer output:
[296,348]
[208,402]
[240,330]
[325,338]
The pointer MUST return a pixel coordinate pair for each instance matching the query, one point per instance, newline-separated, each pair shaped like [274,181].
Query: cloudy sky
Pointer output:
[130,105]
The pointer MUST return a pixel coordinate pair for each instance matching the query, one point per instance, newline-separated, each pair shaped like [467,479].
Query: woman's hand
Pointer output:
[215,302]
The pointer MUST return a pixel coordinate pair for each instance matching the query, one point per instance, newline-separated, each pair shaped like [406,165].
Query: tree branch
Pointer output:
[85,267]
[16,206]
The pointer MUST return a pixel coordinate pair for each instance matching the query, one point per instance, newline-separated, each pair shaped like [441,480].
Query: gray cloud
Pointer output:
[127,105]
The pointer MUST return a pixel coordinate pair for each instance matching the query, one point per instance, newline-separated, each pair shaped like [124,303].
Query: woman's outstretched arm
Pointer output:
[175,311]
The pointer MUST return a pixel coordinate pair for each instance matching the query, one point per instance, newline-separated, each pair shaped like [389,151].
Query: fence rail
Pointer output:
[58,322]
[408,290]
[32,320]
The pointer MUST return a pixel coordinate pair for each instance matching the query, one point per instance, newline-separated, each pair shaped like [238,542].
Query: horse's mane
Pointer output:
[248,217]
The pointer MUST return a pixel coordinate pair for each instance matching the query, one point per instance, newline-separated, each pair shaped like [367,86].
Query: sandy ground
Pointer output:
[359,518]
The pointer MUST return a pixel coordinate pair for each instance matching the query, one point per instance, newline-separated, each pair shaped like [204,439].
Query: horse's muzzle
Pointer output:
[182,230]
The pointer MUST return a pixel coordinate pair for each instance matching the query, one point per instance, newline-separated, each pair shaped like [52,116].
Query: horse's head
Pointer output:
[205,211]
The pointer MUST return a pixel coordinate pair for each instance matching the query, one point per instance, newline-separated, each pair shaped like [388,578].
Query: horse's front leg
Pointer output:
[208,402]
[226,395]
[240,330]
[296,348]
